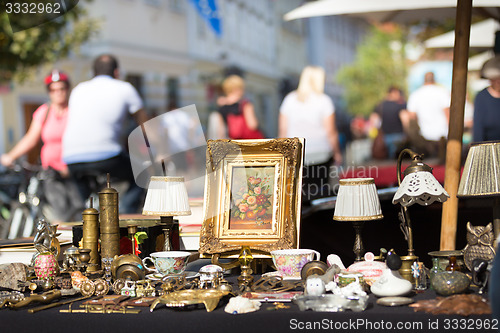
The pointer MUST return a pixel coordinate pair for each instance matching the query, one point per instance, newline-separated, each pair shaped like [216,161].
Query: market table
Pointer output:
[197,319]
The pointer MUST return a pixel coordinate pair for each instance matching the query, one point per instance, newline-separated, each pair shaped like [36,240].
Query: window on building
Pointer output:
[172,93]
[136,81]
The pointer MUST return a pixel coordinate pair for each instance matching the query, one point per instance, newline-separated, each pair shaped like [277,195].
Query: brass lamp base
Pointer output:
[405,269]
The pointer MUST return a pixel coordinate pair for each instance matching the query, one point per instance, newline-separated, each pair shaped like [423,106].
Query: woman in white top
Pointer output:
[309,113]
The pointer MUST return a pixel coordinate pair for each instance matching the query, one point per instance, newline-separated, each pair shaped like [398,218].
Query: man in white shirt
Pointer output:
[430,105]
[91,142]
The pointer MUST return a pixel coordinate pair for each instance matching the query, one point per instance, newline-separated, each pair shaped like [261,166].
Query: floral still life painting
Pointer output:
[252,198]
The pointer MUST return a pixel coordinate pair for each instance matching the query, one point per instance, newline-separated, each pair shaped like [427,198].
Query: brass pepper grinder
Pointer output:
[245,258]
[90,239]
[109,222]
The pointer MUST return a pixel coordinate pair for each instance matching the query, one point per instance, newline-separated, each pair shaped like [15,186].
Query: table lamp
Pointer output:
[481,176]
[418,186]
[167,197]
[357,202]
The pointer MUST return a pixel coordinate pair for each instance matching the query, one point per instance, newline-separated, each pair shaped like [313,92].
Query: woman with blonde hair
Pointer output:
[309,113]
[237,111]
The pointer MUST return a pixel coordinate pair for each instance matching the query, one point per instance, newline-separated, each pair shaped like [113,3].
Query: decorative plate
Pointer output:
[394,301]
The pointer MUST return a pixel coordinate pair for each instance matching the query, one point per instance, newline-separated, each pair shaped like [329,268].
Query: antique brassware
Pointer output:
[313,267]
[128,266]
[101,287]
[109,222]
[245,258]
[70,259]
[87,288]
[210,276]
[209,297]
[118,285]
[480,240]
[444,257]
[143,288]
[90,239]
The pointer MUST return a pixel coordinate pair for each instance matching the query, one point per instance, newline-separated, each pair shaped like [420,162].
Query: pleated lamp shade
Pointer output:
[481,175]
[166,196]
[357,200]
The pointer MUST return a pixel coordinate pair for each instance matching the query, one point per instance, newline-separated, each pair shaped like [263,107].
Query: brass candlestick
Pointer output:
[170,229]
[245,258]
[132,230]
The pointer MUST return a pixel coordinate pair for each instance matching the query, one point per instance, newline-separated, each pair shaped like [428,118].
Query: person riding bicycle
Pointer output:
[48,124]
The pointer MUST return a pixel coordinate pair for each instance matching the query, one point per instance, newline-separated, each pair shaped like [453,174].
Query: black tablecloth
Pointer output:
[375,318]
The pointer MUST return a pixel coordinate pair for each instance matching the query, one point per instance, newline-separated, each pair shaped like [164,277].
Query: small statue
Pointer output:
[391,283]
[479,244]
[46,240]
[481,273]
[316,285]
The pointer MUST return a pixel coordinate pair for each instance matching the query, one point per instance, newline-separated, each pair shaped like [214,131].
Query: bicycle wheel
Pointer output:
[4,220]
[21,222]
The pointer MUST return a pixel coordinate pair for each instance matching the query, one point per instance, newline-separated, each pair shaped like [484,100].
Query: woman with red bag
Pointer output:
[238,112]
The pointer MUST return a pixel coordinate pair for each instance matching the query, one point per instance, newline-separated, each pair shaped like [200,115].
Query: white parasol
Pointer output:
[409,11]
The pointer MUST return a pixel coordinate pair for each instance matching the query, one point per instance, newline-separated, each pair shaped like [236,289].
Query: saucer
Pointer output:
[159,276]
[278,274]
[394,301]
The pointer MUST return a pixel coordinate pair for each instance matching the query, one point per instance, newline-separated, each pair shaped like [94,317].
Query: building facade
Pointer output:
[176,53]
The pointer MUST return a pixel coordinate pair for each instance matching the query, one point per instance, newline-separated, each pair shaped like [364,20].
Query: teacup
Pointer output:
[168,262]
[289,262]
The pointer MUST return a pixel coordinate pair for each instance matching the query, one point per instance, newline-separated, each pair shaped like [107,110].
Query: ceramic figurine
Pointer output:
[370,269]
[334,259]
[391,283]
[316,285]
[46,266]
[479,244]
[241,304]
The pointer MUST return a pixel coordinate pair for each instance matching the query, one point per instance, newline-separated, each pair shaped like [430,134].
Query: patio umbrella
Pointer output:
[409,11]
[399,11]
[482,36]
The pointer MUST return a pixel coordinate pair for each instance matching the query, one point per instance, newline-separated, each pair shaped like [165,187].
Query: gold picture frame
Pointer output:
[252,195]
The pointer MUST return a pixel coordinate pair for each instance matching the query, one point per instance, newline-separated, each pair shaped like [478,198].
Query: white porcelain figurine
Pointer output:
[391,283]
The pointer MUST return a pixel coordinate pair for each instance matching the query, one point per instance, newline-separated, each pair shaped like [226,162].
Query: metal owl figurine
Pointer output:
[479,244]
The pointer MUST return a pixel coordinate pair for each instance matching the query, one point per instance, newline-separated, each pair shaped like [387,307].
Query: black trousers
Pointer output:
[120,169]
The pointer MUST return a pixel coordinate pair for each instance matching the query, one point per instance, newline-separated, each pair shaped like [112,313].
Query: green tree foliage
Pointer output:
[22,51]
[378,65]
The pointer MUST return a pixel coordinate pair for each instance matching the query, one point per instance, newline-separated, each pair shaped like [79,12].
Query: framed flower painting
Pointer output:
[252,195]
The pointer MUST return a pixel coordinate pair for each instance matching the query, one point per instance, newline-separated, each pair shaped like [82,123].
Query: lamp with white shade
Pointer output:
[418,186]
[357,202]
[167,197]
